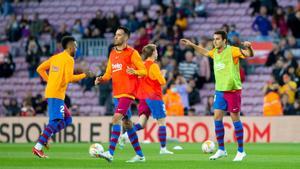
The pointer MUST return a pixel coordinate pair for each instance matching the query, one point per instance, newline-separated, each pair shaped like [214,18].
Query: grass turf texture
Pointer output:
[75,156]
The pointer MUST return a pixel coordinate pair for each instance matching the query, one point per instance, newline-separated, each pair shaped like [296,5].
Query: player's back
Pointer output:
[57,81]
[148,86]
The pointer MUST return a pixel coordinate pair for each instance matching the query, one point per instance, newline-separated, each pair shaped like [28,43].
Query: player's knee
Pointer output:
[127,124]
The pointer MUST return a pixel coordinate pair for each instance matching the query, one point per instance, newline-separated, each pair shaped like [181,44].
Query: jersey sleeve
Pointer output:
[211,53]
[236,53]
[155,72]
[107,74]
[42,69]
[69,70]
[138,63]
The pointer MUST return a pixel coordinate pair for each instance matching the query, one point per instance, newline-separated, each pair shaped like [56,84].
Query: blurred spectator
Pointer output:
[255,5]
[204,70]
[24,25]
[290,60]
[27,109]
[7,65]
[169,18]
[132,23]
[63,32]
[13,29]
[274,55]
[113,22]
[173,102]
[188,69]
[40,105]
[36,25]
[209,109]
[11,107]
[194,96]
[199,8]
[262,24]
[183,88]
[77,29]
[6,8]
[288,108]
[142,40]
[87,33]
[279,22]
[233,36]
[294,23]
[33,52]
[99,22]
[289,88]
[181,21]
[96,33]
[272,105]
[47,28]
[279,70]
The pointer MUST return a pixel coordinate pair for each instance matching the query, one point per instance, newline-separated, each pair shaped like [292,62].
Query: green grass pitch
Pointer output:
[75,156]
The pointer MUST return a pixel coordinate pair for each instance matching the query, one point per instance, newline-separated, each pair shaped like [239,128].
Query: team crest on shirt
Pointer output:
[55,68]
[220,66]
[116,67]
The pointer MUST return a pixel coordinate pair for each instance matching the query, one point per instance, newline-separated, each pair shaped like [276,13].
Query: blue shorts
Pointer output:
[229,101]
[127,115]
[56,108]
[155,107]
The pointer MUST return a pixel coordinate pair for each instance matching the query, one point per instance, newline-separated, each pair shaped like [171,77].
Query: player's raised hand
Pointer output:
[98,80]
[186,42]
[247,44]
[130,71]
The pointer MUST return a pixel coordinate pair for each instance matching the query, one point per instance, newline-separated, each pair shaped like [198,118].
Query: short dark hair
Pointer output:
[222,33]
[65,40]
[126,30]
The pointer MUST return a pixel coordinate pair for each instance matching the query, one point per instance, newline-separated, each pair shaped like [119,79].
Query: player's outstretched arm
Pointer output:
[197,48]
[42,69]
[106,76]
[248,51]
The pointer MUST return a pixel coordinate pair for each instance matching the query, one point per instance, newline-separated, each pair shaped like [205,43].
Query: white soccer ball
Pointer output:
[96,148]
[208,146]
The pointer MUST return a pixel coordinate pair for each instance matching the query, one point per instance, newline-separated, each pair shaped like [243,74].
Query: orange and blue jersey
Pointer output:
[124,84]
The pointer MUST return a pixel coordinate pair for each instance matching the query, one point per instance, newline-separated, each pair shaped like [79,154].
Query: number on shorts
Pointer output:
[62,109]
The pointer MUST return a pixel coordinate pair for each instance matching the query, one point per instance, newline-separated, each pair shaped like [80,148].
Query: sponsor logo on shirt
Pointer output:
[220,66]
[55,68]
[116,67]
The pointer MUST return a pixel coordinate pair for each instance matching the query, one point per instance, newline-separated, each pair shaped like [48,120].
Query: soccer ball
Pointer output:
[96,149]
[208,146]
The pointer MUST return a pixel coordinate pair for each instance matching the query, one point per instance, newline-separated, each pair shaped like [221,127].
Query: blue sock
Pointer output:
[162,136]
[138,127]
[134,140]
[239,134]
[115,133]
[219,130]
